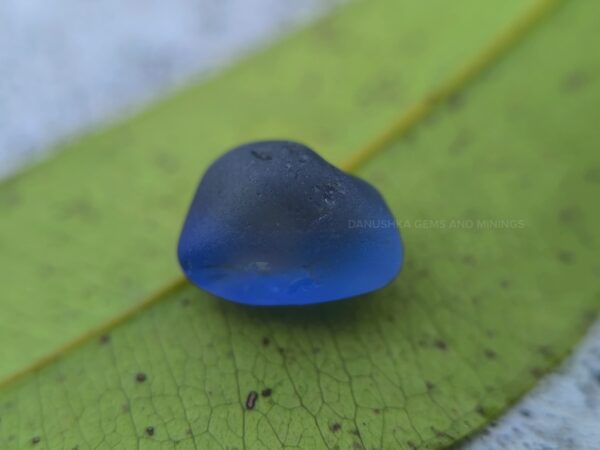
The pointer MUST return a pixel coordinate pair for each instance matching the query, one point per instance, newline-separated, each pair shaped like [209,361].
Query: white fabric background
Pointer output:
[66,65]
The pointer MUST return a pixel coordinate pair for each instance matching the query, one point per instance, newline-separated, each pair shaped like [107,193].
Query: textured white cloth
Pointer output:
[66,64]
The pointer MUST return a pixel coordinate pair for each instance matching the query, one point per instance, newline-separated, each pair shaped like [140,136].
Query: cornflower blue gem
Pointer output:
[273,223]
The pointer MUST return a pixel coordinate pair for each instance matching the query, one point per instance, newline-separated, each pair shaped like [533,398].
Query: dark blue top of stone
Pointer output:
[272,223]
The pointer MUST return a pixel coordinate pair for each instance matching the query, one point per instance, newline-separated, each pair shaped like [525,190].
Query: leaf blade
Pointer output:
[48,230]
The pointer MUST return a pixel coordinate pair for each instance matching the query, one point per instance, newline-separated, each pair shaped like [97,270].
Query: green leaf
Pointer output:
[494,189]
[92,232]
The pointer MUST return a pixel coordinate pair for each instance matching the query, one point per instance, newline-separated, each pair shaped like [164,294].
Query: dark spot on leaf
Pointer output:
[263,156]
[281,350]
[376,411]
[189,432]
[267,392]
[316,350]
[185,302]
[167,163]
[422,273]
[150,431]
[546,351]
[456,101]
[251,400]
[441,434]
[412,445]
[36,440]
[266,341]
[589,317]
[80,208]
[479,410]
[440,344]
[593,175]
[504,284]
[140,377]
[574,81]
[429,385]
[569,215]
[355,431]
[335,427]
[357,446]
[105,339]
[125,408]
[469,260]
[525,413]
[536,372]
[565,257]
[490,354]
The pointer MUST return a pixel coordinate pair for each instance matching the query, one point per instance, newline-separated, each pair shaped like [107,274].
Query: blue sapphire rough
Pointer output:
[273,223]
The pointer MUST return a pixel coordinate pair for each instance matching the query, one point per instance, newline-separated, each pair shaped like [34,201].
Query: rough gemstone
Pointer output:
[272,223]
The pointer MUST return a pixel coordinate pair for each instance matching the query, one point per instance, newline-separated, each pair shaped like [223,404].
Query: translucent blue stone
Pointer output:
[272,223]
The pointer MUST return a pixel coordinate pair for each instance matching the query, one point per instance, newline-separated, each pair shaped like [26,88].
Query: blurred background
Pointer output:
[68,66]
